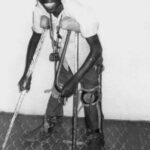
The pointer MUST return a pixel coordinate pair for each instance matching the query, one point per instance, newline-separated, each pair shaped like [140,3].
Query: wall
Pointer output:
[124,33]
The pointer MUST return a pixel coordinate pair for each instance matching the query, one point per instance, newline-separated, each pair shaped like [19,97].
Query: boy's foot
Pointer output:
[41,132]
[95,141]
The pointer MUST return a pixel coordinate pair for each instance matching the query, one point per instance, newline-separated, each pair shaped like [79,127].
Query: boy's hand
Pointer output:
[24,83]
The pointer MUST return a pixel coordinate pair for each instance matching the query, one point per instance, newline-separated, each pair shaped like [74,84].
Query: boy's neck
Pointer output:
[58,10]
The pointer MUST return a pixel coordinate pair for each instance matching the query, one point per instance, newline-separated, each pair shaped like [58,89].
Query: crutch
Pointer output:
[57,69]
[23,93]
[62,58]
[73,26]
[75,103]
[76,94]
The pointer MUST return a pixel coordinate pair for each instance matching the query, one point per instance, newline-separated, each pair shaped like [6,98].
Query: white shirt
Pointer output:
[88,27]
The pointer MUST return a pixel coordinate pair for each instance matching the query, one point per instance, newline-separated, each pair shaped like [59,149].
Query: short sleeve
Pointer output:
[88,27]
[37,13]
[84,16]
[88,24]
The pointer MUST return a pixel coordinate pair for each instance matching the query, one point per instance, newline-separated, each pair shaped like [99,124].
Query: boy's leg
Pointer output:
[55,106]
[91,98]
[53,115]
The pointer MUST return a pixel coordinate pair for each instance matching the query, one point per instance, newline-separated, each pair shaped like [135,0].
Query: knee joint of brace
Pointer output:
[89,97]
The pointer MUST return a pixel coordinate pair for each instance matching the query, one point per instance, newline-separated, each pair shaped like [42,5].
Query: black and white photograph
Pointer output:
[75,75]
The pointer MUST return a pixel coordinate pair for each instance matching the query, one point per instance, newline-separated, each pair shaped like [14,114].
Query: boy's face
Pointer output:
[50,5]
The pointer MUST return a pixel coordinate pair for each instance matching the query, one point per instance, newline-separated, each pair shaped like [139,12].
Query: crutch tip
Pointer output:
[3,147]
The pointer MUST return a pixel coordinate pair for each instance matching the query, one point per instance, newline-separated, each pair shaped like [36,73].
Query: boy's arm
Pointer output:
[94,55]
[34,40]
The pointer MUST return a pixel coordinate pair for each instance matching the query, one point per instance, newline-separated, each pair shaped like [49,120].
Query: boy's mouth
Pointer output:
[49,5]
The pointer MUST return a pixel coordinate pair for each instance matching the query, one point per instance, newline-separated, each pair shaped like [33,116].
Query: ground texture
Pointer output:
[119,135]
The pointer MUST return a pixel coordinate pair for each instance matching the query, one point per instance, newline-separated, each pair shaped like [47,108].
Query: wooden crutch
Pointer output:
[71,25]
[23,93]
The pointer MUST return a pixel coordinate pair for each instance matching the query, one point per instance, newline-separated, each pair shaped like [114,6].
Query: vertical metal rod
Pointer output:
[51,31]
[62,58]
[99,108]
[75,103]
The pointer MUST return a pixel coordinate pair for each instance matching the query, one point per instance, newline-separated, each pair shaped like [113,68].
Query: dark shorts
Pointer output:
[89,80]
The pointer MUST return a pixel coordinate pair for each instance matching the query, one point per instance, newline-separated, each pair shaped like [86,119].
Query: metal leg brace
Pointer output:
[99,108]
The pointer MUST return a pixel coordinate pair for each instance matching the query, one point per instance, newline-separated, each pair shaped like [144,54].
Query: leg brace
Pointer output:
[91,100]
